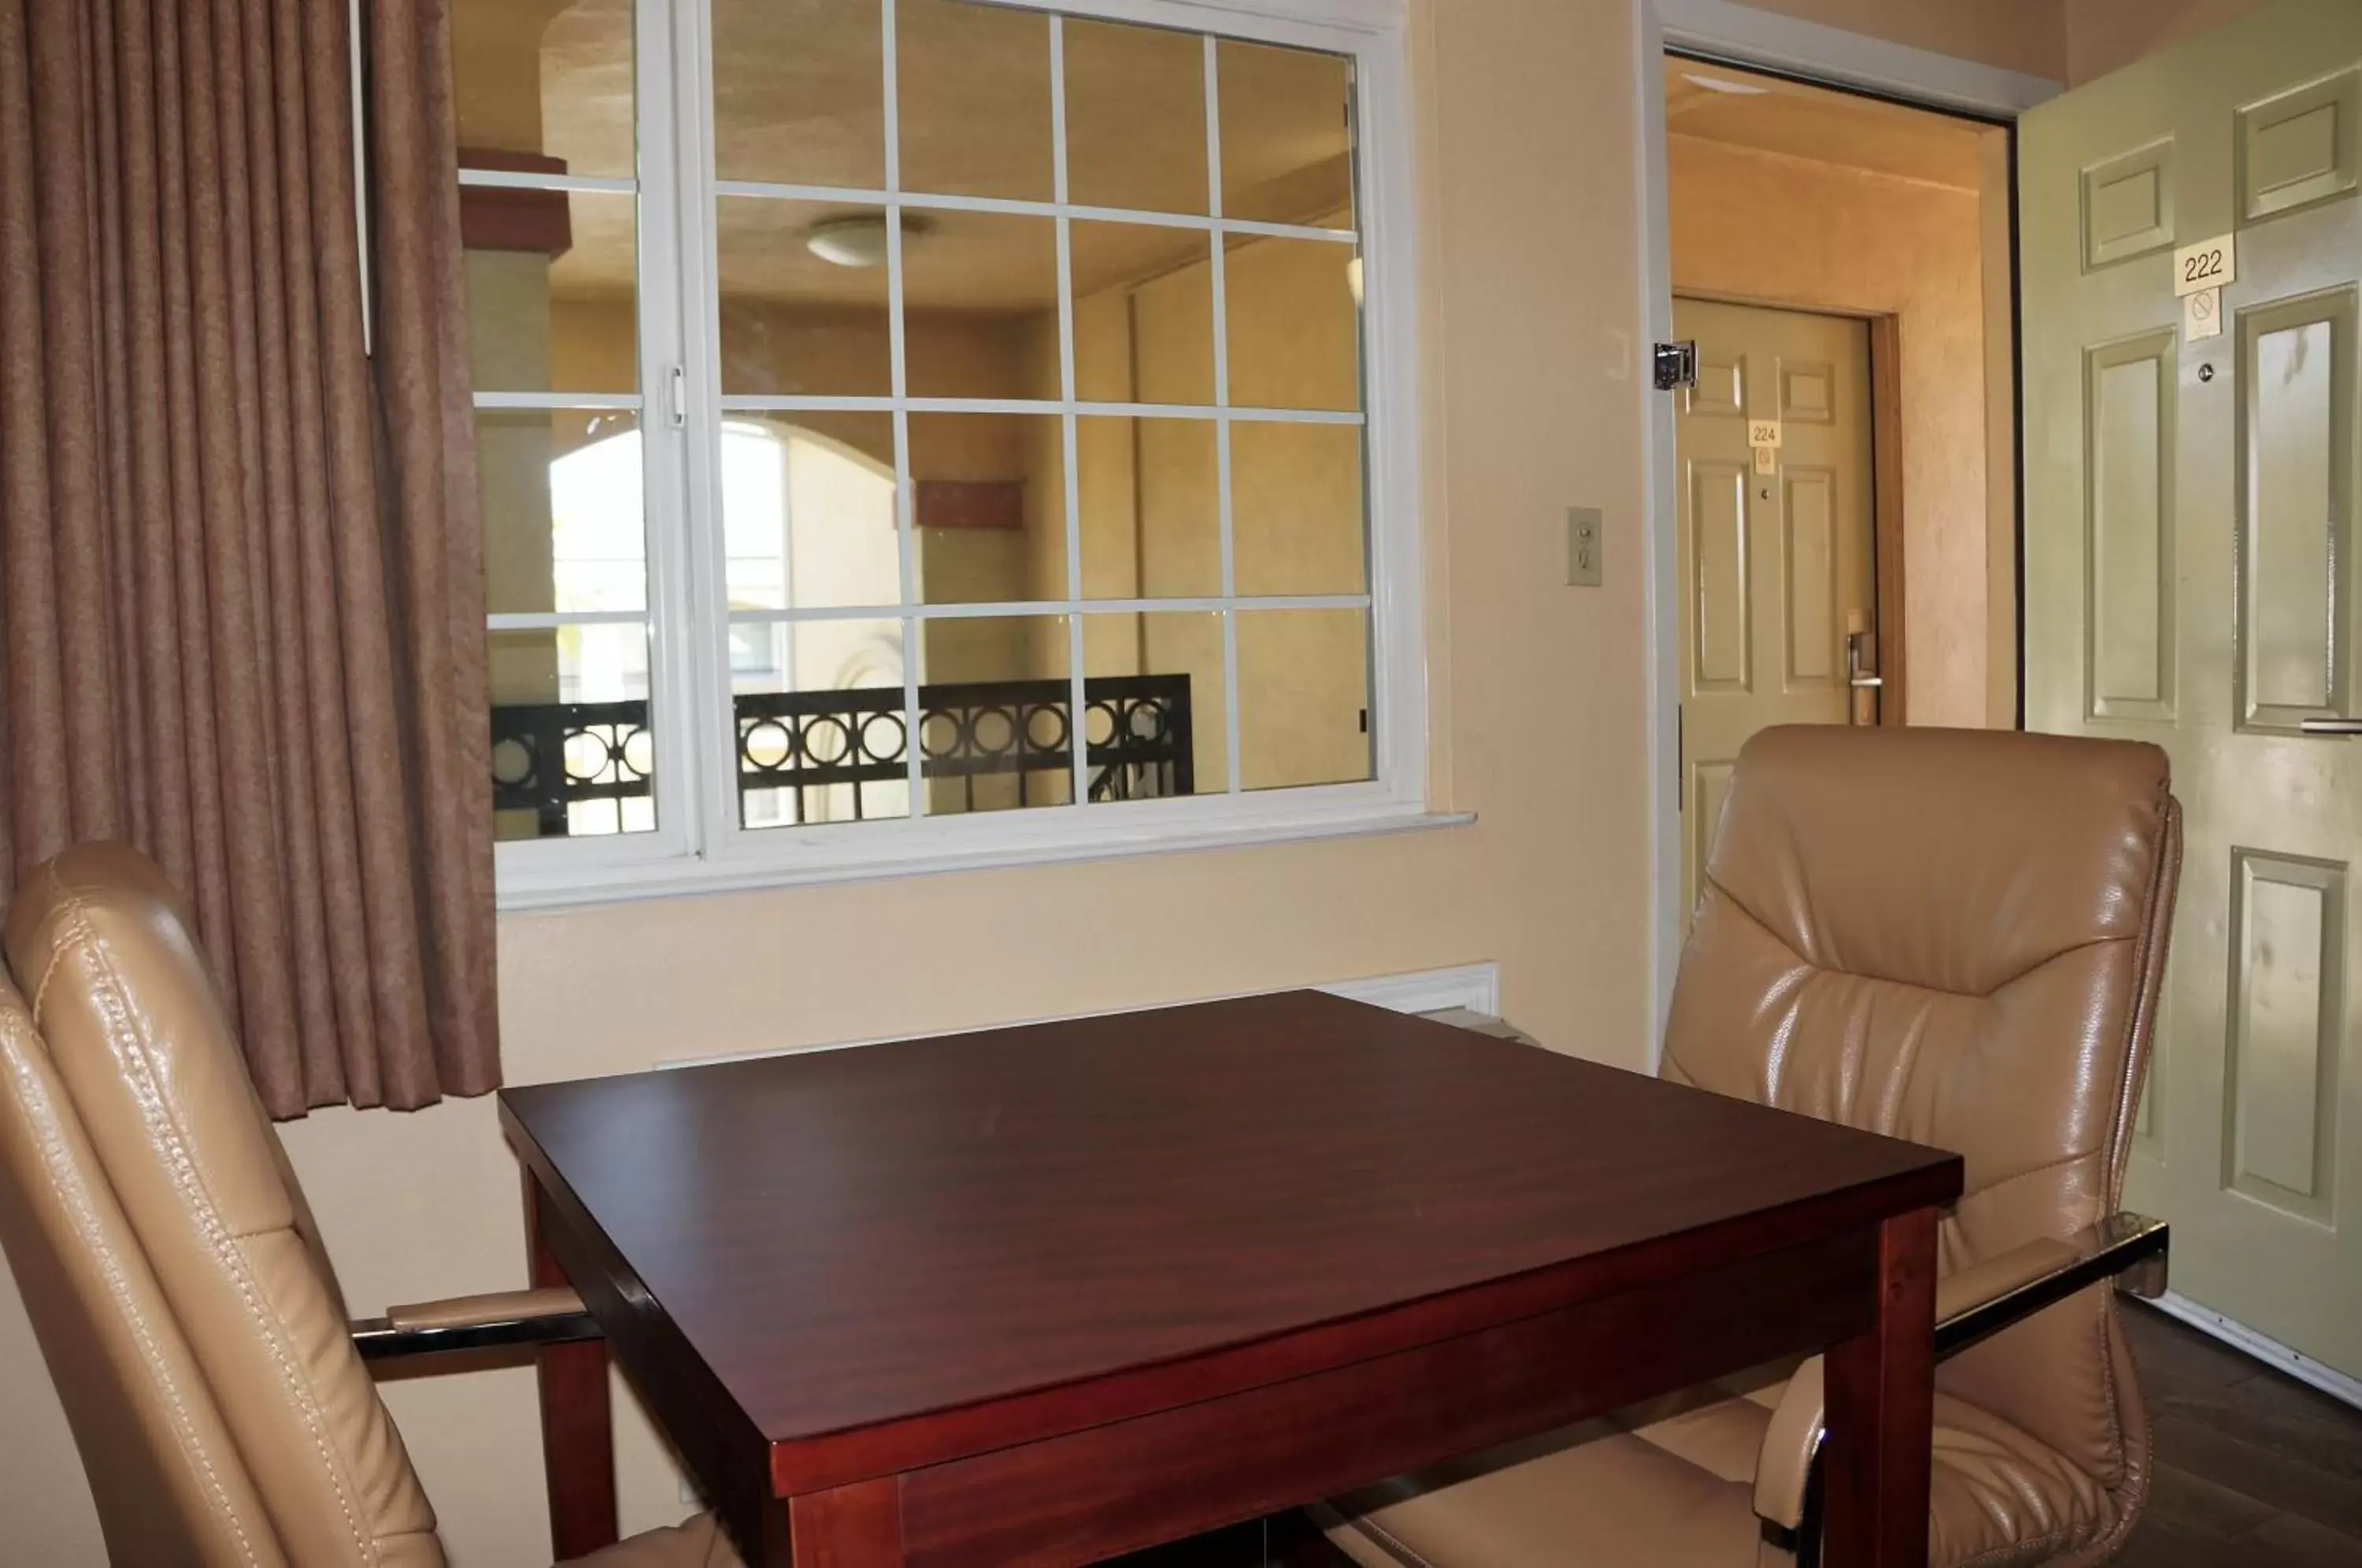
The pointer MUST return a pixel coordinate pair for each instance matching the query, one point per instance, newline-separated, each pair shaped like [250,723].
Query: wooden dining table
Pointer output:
[1047,1294]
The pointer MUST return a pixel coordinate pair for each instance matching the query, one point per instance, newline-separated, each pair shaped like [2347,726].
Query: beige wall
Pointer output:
[1532,400]
[2104,35]
[2066,40]
[1760,226]
[2016,35]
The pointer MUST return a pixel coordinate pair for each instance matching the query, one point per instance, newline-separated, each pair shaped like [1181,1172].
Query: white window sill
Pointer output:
[999,845]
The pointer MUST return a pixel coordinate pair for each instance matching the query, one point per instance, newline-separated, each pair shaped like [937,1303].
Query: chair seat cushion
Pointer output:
[700,1543]
[1671,1486]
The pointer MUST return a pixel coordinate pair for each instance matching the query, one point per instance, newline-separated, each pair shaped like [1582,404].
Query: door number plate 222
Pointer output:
[2210,264]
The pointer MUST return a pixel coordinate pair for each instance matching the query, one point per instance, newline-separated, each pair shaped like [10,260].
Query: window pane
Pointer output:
[973,84]
[1154,685]
[564,512]
[819,720]
[808,512]
[803,298]
[1135,117]
[1288,138]
[1304,697]
[800,92]
[989,502]
[1151,512]
[1296,509]
[544,87]
[1144,314]
[1294,328]
[994,699]
[551,284]
[572,752]
[981,290]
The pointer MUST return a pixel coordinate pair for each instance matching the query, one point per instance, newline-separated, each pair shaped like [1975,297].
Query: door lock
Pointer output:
[1677,366]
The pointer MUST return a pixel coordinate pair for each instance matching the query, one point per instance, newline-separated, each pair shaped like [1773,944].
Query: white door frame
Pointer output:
[1721,29]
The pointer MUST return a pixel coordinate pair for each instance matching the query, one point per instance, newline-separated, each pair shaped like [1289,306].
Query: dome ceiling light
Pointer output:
[858,239]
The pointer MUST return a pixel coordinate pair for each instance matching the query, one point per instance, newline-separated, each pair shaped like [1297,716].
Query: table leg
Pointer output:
[1881,1400]
[858,1525]
[577,1431]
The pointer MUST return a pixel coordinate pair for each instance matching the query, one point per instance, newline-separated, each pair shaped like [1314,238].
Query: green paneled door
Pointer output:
[2191,580]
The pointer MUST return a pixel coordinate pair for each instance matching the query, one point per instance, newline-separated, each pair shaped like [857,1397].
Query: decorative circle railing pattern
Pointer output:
[1138,744]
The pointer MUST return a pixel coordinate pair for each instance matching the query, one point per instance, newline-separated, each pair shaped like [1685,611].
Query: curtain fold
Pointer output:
[241,584]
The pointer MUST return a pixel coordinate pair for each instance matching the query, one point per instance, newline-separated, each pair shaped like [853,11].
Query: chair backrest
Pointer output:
[1955,937]
[168,1260]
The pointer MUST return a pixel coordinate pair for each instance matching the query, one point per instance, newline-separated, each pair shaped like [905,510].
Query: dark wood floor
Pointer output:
[2254,1470]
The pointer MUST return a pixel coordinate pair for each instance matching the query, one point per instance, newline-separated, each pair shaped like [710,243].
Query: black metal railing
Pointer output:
[549,756]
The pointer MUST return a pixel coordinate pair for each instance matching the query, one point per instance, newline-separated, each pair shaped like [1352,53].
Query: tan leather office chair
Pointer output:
[172,1271]
[1950,936]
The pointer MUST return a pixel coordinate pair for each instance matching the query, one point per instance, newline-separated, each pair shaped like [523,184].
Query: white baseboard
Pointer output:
[1476,987]
[2263,1347]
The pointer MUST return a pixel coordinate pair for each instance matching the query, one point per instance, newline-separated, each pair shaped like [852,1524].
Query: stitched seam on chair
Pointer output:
[48,971]
[1391,1542]
[2057,1538]
[232,1257]
[2061,1538]
[2157,935]
[2149,961]
[2045,962]
[2157,945]
[53,1156]
[2108,1384]
[2134,1492]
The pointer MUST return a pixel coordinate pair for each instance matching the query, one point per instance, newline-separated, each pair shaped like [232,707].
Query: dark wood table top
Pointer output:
[859,1242]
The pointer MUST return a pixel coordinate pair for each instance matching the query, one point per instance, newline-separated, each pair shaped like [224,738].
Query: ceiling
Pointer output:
[799,100]
[1770,114]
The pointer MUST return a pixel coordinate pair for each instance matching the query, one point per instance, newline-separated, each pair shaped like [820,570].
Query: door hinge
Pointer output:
[1676,366]
[679,397]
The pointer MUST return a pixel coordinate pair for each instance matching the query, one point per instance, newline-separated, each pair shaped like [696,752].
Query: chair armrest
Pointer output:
[1977,1303]
[1972,1305]
[549,1315]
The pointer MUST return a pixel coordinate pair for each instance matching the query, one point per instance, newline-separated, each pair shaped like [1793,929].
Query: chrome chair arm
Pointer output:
[548,1315]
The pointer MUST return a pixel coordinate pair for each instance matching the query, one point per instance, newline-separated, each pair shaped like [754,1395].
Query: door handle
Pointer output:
[1861,659]
[2331,726]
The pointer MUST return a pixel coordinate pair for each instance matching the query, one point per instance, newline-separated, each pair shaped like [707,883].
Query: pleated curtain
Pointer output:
[241,601]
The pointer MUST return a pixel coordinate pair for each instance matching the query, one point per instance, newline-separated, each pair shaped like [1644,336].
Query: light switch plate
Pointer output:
[1583,544]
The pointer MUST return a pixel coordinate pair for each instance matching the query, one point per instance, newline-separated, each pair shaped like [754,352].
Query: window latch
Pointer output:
[680,385]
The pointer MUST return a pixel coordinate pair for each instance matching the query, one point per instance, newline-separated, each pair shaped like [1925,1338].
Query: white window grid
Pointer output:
[686,612]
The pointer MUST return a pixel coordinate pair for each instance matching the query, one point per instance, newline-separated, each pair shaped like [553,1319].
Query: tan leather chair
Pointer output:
[172,1271]
[1950,936]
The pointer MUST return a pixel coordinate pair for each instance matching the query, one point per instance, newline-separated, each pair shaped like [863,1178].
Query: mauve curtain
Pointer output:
[241,591]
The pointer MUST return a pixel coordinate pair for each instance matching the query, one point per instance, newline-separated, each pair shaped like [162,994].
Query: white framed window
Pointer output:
[874,398]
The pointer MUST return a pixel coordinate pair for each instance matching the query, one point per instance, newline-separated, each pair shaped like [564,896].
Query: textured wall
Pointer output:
[2016,35]
[2103,35]
[1783,230]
